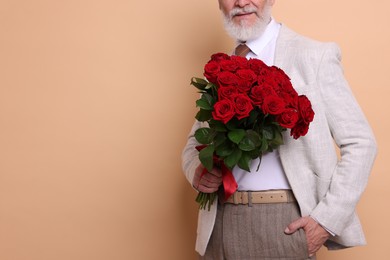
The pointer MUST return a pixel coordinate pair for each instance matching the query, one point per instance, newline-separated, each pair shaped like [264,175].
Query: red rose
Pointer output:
[299,130]
[288,118]
[243,86]
[228,65]
[258,93]
[305,110]
[277,75]
[241,62]
[270,81]
[211,71]
[246,79]
[226,78]
[273,105]
[224,110]
[243,106]
[227,92]
[288,88]
[279,72]
[263,75]
[290,99]
[281,82]
[257,66]
[247,75]
[268,90]
[220,56]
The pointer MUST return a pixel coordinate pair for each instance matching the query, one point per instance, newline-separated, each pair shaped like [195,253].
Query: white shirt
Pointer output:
[270,175]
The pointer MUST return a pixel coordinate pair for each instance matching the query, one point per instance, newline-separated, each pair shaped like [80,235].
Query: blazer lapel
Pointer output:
[283,42]
[284,59]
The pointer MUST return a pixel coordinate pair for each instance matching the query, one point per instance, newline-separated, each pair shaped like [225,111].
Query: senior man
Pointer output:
[320,189]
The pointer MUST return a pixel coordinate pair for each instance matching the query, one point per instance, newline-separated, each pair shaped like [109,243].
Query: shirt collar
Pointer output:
[258,44]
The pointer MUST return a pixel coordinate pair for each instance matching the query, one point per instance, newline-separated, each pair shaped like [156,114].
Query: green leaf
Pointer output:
[264,145]
[268,133]
[253,134]
[233,158]
[247,144]
[236,135]
[206,157]
[244,161]
[251,141]
[219,139]
[203,115]
[232,124]
[278,140]
[199,83]
[204,135]
[217,125]
[203,104]
[254,154]
[209,85]
[253,116]
[206,102]
[225,149]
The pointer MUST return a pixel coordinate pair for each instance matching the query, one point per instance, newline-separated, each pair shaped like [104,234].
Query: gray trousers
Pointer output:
[256,233]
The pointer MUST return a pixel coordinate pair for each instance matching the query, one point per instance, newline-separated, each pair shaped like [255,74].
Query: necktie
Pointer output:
[242,50]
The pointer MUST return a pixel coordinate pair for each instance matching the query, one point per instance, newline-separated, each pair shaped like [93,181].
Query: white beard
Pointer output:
[243,32]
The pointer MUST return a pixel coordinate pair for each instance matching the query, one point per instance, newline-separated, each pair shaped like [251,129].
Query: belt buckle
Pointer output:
[243,197]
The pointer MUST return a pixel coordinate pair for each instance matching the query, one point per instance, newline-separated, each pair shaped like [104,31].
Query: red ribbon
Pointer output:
[228,181]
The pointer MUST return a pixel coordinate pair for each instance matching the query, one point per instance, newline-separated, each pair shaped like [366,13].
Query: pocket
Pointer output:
[295,245]
[303,241]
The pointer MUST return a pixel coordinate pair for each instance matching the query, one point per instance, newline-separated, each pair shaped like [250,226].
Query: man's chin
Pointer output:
[244,33]
[244,29]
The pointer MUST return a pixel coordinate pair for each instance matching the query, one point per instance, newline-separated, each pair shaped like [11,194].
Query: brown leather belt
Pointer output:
[261,197]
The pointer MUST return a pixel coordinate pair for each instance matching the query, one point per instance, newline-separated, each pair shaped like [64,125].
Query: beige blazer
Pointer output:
[326,187]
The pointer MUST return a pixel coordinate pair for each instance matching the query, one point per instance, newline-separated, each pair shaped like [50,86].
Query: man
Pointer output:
[319,191]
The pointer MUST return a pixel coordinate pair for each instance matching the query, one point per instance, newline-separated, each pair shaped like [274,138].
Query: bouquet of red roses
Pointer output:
[247,106]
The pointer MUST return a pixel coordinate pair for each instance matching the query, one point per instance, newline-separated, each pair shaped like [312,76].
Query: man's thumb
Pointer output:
[294,226]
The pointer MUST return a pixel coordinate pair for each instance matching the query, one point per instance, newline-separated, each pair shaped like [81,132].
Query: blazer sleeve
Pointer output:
[354,137]
[190,159]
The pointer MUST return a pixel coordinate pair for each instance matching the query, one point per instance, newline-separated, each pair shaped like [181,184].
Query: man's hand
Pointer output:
[315,234]
[209,182]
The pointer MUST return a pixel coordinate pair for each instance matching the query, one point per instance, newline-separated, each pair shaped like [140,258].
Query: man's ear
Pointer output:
[219,4]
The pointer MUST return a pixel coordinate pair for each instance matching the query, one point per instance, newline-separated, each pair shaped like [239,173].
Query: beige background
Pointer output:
[95,106]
